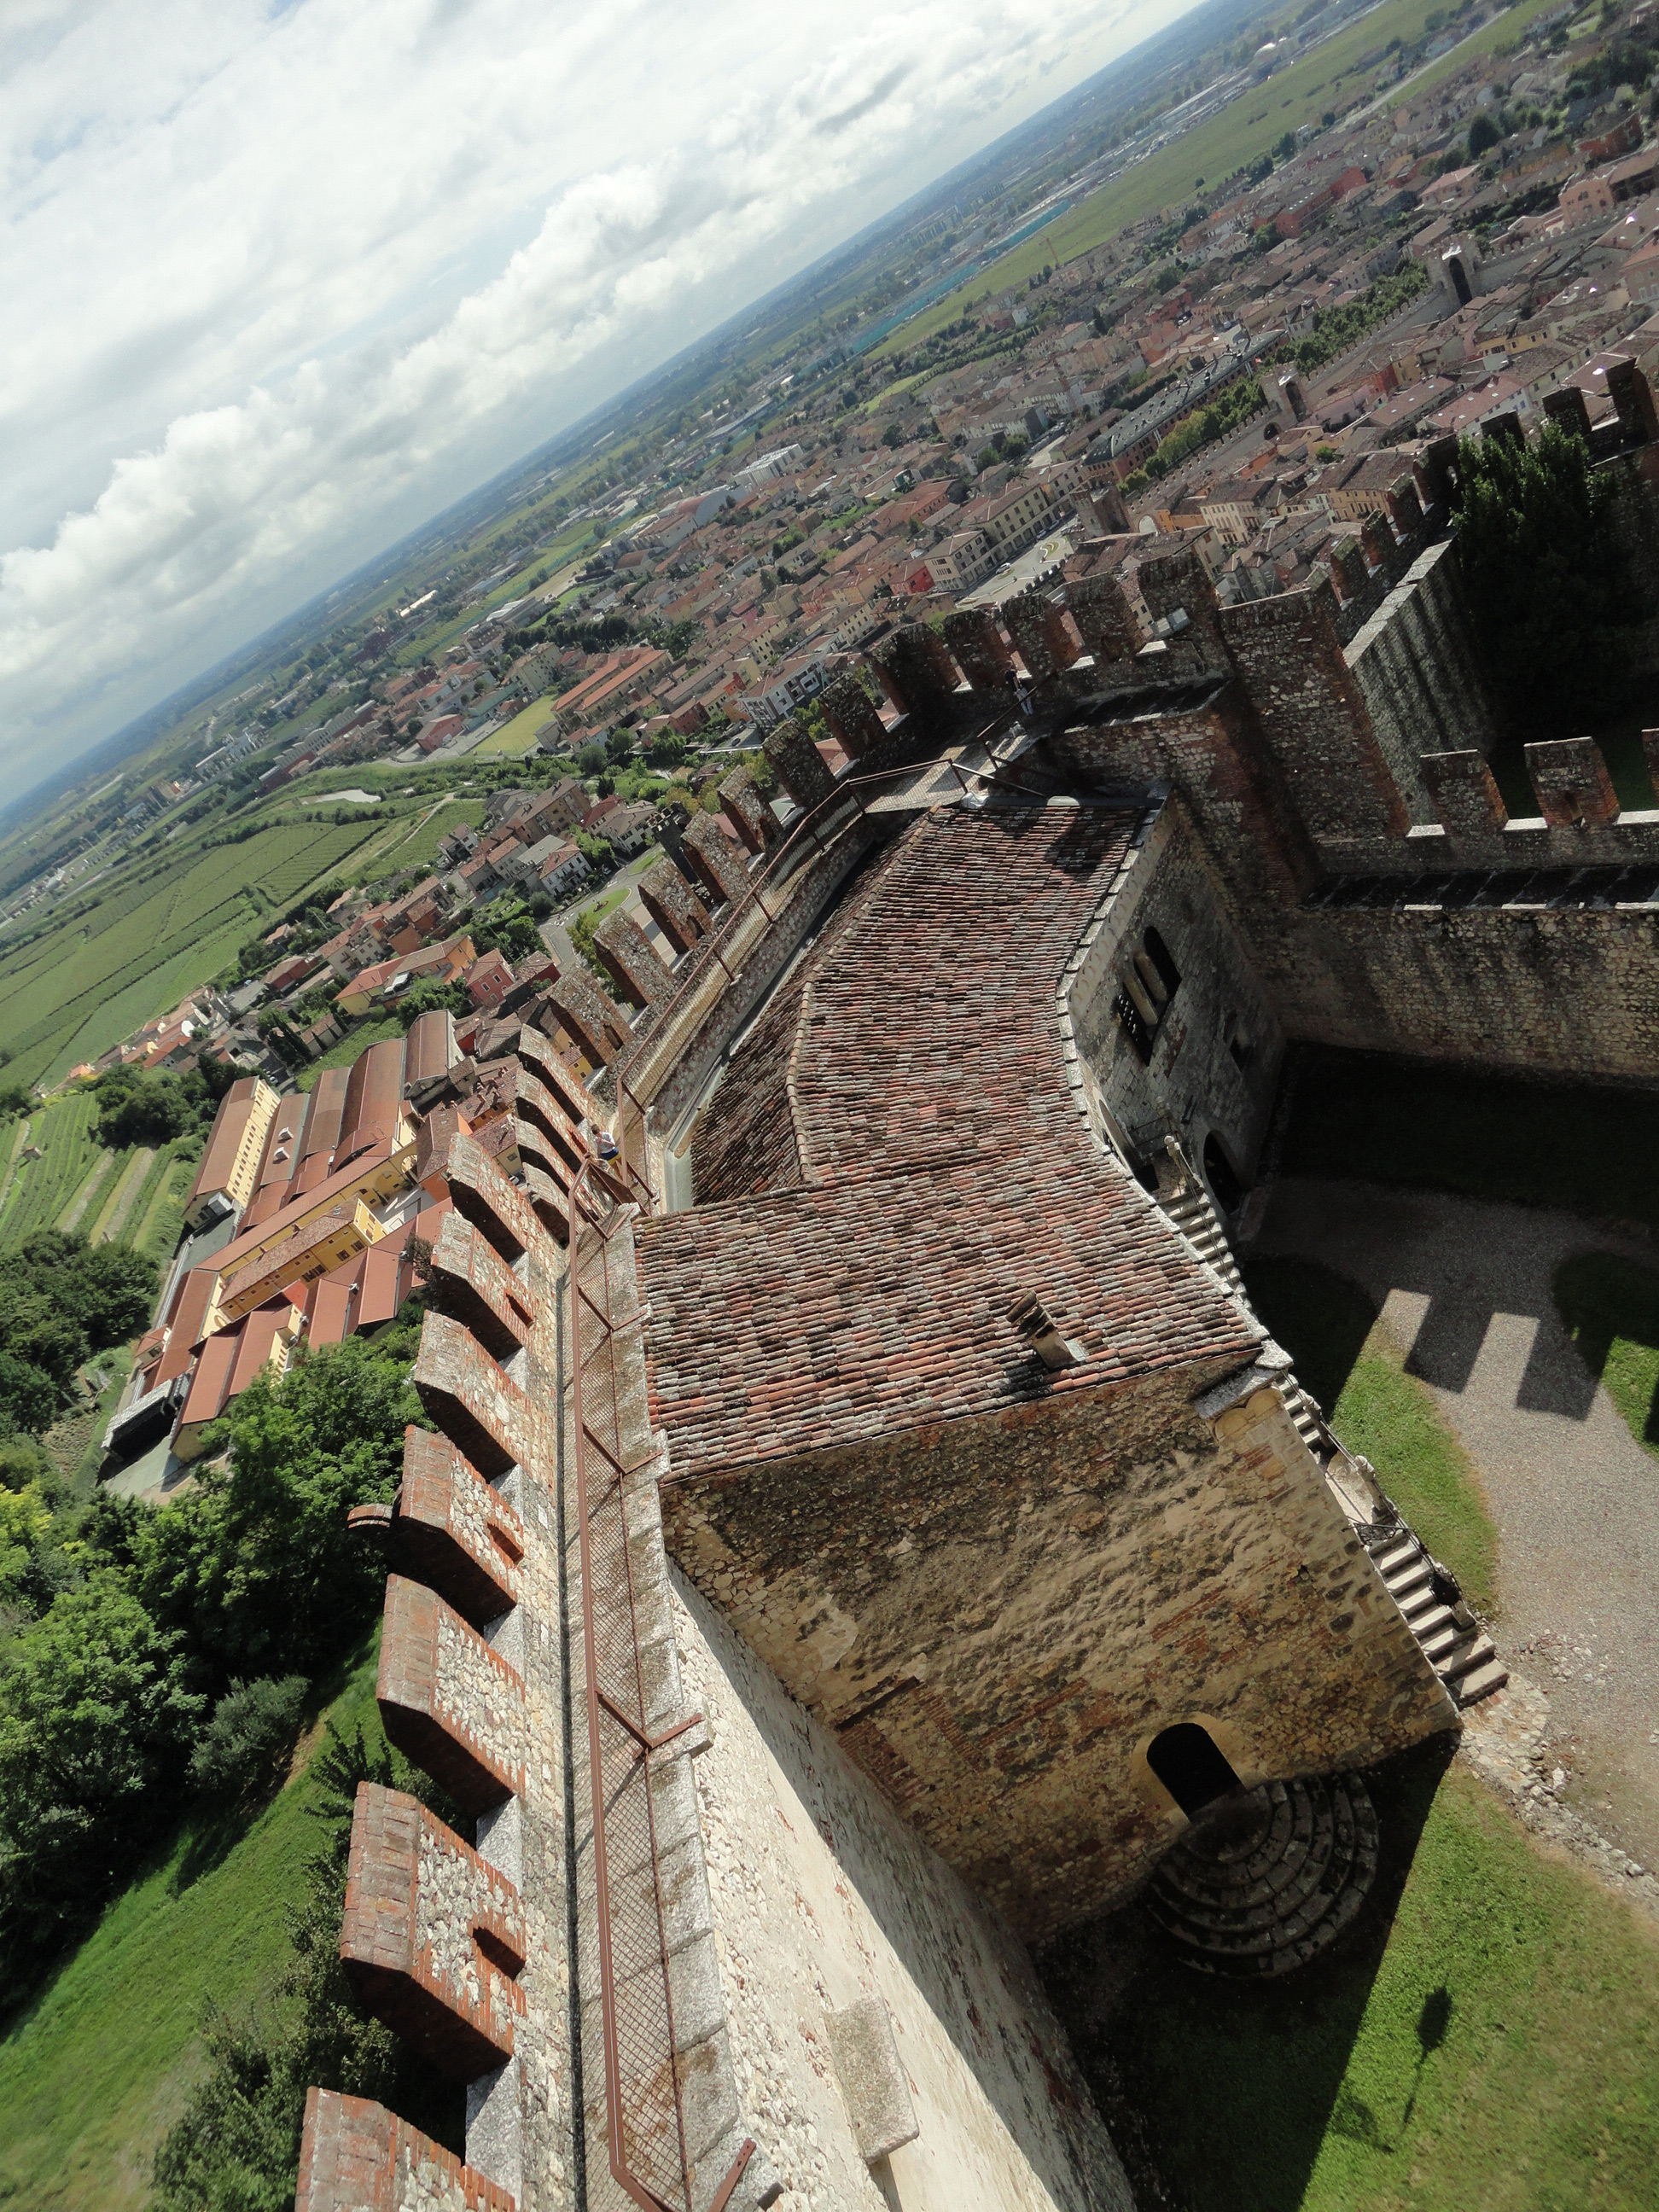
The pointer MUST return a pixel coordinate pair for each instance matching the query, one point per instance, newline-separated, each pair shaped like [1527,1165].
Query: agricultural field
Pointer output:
[1343,70]
[130,947]
[41,1190]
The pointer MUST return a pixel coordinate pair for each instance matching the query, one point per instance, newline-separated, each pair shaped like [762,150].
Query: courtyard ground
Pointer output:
[1463,1293]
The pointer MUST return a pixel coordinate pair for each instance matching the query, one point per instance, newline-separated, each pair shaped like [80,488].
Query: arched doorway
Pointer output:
[1220,1174]
[1188,1762]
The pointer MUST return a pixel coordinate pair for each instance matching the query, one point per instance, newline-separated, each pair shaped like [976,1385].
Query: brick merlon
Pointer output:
[477,1406]
[355,2156]
[454,1531]
[432,1936]
[446,1700]
[469,1281]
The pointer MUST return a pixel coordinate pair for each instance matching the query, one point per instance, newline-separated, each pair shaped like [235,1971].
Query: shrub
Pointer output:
[249,1738]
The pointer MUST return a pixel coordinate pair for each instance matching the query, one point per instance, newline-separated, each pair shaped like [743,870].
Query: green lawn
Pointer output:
[1486,1135]
[1610,1309]
[1343,71]
[1328,1326]
[1486,2038]
[521,733]
[97,2069]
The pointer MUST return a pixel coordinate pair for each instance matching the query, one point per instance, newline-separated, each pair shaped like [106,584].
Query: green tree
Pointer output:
[97,1704]
[257,1566]
[1549,588]
[1483,133]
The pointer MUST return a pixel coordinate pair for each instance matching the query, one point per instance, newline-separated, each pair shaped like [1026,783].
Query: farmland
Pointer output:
[54,1175]
[132,945]
[1340,74]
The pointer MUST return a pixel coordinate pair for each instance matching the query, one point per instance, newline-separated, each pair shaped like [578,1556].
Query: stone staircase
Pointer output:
[1453,1640]
[1264,1878]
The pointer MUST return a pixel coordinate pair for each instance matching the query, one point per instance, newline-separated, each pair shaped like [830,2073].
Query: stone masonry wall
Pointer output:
[820,1896]
[1573,993]
[1215,1060]
[996,1617]
[1416,666]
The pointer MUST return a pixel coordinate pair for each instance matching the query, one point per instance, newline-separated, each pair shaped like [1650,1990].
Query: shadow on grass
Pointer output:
[1609,1306]
[1220,2094]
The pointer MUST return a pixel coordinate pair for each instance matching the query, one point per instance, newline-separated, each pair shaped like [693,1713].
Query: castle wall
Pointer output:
[1215,1058]
[1574,992]
[823,1896]
[1415,665]
[996,1617]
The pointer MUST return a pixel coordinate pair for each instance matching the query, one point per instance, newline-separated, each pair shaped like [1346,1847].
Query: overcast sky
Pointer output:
[283,280]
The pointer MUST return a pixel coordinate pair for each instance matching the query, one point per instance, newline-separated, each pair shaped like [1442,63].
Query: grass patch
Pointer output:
[1328,1326]
[342,1054]
[1487,2035]
[1487,1135]
[94,2071]
[520,734]
[42,1190]
[1610,1309]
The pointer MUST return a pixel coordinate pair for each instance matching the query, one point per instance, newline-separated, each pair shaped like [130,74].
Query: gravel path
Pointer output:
[1465,1294]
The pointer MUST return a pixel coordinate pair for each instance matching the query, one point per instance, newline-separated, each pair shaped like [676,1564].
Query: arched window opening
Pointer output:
[1187,1762]
[1147,981]
[1219,1174]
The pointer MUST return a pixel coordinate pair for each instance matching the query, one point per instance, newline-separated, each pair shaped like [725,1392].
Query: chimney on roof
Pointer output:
[1034,1324]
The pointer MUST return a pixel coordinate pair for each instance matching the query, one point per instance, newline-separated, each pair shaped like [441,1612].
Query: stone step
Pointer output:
[1437,1632]
[1408,1586]
[1402,1555]
[1469,1689]
[1468,1656]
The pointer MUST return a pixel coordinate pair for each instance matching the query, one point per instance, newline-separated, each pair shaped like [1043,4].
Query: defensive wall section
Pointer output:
[680,1953]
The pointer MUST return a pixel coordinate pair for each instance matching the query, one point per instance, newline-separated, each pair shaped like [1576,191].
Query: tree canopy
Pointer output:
[1549,587]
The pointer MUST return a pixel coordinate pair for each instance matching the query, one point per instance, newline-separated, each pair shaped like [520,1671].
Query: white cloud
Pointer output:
[287,281]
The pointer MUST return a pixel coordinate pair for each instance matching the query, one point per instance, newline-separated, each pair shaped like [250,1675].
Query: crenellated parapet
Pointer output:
[447,1701]
[715,859]
[631,961]
[355,2156]
[673,905]
[433,1936]
[460,1941]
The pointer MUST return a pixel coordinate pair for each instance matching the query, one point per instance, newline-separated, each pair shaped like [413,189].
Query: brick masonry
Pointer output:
[432,1936]
[632,961]
[454,1531]
[446,1700]
[353,2153]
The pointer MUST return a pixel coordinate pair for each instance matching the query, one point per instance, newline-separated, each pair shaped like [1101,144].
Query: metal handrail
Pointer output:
[585,1213]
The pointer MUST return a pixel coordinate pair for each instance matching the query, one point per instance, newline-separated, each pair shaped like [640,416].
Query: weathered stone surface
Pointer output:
[673,905]
[916,672]
[871,2077]
[1105,620]
[471,1282]
[798,764]
[476,1405]
[483,1196]
[598,1024]
[355,2156]
[431,1935]
[537,1102]
[452,1529]
[537,1053]
[1572,783]
[715,859]
[1046,646]
[1460,787]
[446,1700]
[747,811]
[979,647]
[851,716]
[633,962]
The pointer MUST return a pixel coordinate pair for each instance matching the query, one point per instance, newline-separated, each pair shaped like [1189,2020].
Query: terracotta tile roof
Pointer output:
[943,1171]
